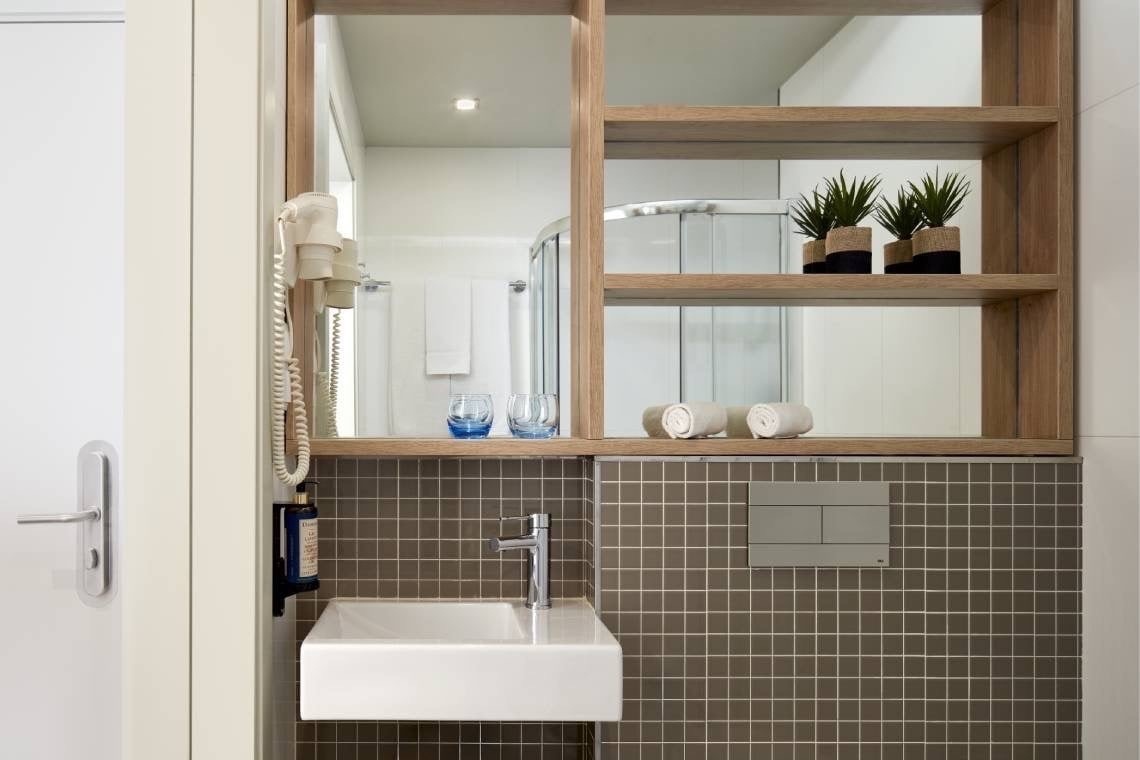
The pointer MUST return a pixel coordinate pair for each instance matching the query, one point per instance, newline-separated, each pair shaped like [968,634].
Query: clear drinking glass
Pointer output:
[469,415]
[532,415]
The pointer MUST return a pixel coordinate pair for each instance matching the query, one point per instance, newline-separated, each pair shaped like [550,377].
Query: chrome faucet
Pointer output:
[537,542]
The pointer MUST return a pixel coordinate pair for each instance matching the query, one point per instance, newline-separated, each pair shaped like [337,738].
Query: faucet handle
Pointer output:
[535,519]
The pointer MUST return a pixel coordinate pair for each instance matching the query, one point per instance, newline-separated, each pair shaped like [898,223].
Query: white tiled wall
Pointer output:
[1108,380]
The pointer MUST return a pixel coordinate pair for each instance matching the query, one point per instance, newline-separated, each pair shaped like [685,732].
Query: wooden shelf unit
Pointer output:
[583,447]
[1022,132]
[777,132]
[822,289]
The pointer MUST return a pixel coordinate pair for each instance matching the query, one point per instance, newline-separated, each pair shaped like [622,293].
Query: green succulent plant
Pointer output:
[938,200]
[902,218]
[851,203]
[813,216]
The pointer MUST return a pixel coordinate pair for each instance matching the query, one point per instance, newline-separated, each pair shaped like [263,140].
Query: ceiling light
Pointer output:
[466,104]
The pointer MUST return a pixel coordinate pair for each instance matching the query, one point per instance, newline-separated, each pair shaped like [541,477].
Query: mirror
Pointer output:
[460,211]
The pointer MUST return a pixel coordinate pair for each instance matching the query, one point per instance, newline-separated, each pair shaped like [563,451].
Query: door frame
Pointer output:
[205,147]
[156,448]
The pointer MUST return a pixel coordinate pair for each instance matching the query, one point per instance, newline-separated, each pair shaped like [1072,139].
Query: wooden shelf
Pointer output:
[822,289]
[808,446]
[662,7]
[775,132]
[811,446]
[799,7]
[446,7]
[451,447]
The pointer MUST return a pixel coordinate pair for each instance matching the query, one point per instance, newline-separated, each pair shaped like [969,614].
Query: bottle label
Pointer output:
[307,538]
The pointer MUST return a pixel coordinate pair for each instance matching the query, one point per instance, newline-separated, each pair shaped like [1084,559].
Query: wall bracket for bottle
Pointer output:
[282,588]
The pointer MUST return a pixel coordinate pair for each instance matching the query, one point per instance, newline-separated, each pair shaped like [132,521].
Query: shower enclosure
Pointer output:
[659,354]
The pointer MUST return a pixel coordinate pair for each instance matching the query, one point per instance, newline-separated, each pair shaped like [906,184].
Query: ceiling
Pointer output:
[407,70]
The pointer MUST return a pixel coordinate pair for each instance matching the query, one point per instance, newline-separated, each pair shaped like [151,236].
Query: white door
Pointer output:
[61,378]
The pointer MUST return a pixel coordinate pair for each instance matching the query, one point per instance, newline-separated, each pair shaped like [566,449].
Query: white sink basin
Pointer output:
[369,659]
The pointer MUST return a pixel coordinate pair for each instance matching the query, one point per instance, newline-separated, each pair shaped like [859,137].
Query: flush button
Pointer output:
[91,559]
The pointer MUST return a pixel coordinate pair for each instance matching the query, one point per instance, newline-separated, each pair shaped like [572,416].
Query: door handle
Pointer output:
[95,498]
[94,513]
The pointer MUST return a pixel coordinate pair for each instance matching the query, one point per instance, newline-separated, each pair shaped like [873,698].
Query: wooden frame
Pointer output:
[1023,132]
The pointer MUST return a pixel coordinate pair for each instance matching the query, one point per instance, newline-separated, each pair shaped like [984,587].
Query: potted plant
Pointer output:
[902,220]
[849,245]
[938,248]
[813,219]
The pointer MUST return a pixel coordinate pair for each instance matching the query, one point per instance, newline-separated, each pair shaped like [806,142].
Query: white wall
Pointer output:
[1108,322]
[893,372]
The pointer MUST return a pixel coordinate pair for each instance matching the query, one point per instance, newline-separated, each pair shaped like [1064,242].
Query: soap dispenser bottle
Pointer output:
[301,537]
[295,569]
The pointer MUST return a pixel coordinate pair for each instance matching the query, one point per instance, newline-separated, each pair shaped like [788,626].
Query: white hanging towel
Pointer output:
[774,420]
[447,326]
[520,341]
[373,347]
[490,349]
[696,419]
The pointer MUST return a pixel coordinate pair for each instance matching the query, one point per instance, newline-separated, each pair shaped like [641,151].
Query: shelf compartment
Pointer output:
[822,289]
[806,446]
[776,132]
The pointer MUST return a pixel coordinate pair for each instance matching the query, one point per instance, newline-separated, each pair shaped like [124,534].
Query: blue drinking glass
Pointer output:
[469,415]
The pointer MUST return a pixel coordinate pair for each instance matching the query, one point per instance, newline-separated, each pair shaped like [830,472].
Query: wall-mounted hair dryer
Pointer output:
[307,244]
[311,236]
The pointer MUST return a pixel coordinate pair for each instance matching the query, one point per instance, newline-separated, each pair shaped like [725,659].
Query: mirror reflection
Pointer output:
[446,143]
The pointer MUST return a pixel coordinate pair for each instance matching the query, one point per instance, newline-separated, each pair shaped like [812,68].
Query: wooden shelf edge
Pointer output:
[810,132]
[827,116]
[450,447]
[799,7]
[637,289]
[662,7]
[809,446]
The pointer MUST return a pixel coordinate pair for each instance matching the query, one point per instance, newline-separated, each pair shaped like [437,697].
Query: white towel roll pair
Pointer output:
[701,419]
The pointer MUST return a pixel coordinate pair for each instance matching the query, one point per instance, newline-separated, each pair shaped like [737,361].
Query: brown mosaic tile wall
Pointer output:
[417,528]
[968,646]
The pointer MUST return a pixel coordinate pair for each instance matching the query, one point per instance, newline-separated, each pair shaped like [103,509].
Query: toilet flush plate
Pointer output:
[371,659]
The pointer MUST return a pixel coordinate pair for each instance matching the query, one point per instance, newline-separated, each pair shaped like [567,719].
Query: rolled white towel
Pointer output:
[779,420]
[696,419]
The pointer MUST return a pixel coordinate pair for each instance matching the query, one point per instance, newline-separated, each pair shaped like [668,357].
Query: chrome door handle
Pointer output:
[66,517]
[96,498]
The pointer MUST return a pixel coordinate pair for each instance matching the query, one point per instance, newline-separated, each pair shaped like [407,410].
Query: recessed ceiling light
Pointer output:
[466,104]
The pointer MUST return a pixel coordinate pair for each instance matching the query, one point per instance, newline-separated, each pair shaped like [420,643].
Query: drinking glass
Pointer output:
[533,415]
[469,415]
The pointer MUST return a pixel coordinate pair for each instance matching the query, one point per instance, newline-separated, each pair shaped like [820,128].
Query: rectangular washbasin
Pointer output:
[369,659]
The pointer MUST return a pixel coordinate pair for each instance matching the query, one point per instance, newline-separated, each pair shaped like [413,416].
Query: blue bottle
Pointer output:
[301,538]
